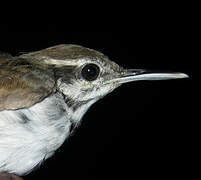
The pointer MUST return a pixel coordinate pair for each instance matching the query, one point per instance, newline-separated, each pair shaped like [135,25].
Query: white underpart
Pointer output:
[24,146]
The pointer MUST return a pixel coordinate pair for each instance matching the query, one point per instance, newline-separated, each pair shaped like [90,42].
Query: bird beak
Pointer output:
[142,74]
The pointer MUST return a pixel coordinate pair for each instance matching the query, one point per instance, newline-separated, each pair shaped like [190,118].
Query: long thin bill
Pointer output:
[142,74]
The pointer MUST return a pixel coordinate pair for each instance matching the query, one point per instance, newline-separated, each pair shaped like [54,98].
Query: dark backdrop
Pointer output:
[142,129]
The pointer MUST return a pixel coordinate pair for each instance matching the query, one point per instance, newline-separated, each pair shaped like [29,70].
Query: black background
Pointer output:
[142,129]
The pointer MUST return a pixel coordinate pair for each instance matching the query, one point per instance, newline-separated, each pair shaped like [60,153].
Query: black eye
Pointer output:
[90,72]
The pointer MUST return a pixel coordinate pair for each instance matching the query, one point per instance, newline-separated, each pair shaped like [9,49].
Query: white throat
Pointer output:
[29,136]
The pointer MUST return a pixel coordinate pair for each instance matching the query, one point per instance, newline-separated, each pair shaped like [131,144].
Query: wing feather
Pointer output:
[22,83]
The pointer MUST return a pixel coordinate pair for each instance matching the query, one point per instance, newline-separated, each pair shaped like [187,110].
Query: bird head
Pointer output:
[85,75]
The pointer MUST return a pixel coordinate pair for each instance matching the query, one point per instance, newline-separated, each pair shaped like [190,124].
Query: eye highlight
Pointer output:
[90,72]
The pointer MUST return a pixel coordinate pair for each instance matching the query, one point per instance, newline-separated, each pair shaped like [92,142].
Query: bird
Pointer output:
[44,95]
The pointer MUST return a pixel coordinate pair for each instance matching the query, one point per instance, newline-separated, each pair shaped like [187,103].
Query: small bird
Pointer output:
[44,95]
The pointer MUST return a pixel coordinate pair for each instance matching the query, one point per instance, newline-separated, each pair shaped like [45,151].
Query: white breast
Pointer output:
[29,136]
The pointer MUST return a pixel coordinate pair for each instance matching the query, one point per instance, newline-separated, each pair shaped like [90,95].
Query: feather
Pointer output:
[22,83]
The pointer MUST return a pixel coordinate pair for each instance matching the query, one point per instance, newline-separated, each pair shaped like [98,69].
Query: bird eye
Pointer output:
[90,72]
